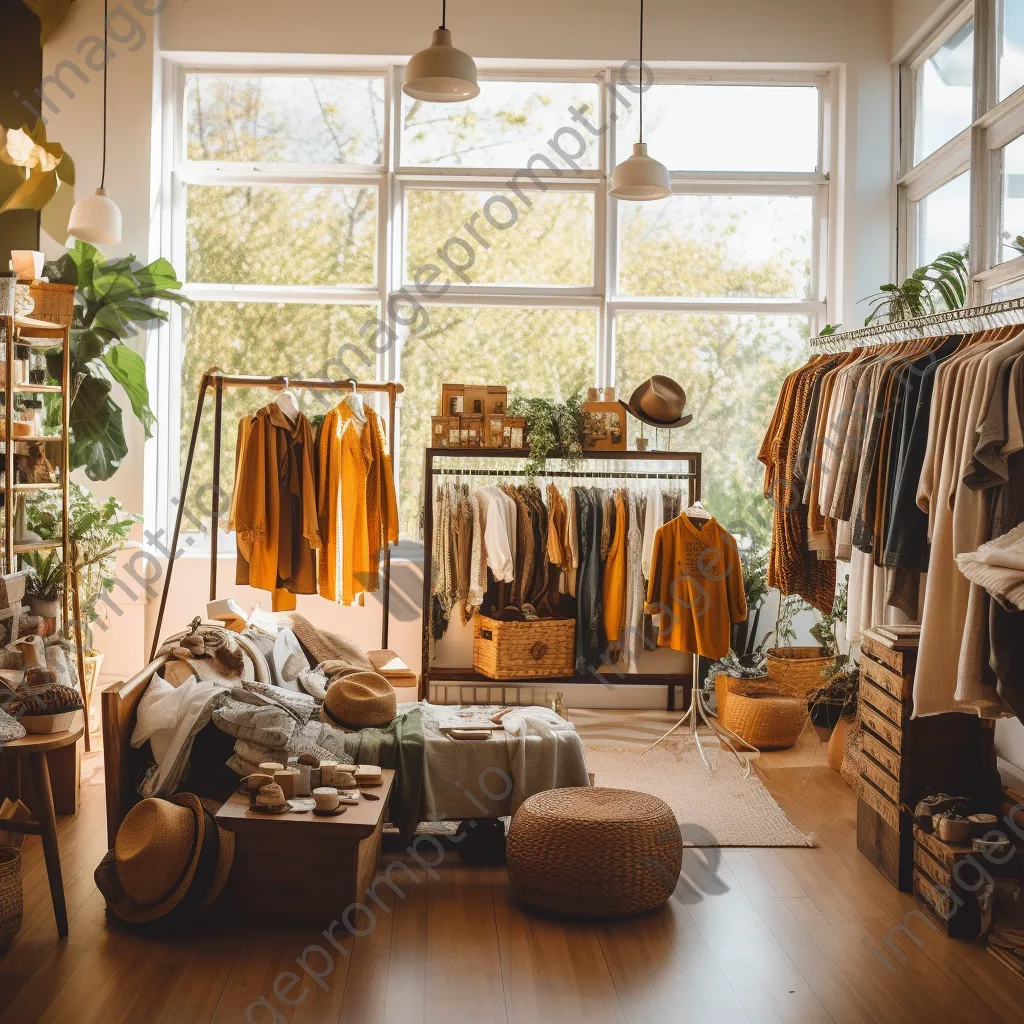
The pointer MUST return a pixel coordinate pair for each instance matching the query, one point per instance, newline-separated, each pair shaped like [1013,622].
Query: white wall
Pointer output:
[855,39]
[913,20]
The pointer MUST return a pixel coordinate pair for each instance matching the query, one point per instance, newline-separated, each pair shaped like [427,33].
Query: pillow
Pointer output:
[269,725]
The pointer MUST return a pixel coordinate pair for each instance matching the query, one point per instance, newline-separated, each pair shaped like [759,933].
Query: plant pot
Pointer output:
[825,714]
[48,608]
[797,670]
[10,895]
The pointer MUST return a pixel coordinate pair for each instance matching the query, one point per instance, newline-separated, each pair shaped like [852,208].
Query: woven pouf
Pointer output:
[594,852]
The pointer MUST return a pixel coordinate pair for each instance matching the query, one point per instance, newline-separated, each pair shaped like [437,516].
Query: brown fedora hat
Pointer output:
[660,402]
[170,858]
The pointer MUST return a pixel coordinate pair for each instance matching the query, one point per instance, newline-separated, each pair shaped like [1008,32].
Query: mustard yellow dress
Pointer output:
[357,510]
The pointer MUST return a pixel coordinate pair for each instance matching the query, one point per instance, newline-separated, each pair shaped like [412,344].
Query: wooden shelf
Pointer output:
[35,389]
[43,545]
[440,675]
[25,488]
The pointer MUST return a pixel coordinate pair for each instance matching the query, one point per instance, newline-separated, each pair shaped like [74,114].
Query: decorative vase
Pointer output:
[93,663]
[11,900]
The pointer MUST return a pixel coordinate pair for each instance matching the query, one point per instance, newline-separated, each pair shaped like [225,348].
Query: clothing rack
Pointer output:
[692,475]
[216,380]
[970,320]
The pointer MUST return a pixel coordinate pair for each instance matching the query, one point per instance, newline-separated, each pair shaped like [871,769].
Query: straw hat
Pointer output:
[169,857]
[660,402]
[360,699]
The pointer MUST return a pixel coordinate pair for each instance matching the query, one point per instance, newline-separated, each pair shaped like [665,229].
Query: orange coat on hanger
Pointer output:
[356,501]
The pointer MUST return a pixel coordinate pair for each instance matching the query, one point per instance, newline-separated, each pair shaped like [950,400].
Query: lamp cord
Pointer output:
[640,70]
[443,6]
[106,61]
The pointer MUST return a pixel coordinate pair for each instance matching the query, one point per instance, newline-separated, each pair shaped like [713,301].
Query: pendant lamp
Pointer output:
[96,218]
[441,73]
[641,177]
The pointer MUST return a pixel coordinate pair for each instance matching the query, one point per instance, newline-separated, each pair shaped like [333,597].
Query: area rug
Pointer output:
[718,808]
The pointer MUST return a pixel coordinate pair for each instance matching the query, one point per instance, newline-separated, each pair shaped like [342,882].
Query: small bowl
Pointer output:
[991,848]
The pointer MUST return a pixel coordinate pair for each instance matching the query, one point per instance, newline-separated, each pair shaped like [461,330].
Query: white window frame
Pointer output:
[978,149]
[394,180]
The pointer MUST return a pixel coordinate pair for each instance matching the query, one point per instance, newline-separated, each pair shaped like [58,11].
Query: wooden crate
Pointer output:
[907,759]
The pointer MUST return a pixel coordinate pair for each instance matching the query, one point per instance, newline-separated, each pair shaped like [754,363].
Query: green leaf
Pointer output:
[158,276]
[33,193]
[85,346]
[97,432]
[129,370]
[61,271]
[86,257]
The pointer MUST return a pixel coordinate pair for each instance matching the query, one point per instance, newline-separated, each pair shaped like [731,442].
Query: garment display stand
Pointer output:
[39,333]
[216,380]
[652,461]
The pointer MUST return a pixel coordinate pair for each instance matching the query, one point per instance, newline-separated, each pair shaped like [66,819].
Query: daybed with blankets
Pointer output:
[215,704]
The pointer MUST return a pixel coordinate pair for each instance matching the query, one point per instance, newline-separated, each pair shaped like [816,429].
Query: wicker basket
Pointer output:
[523,650]
[11,903]
[55,303]
[37,725]
[854,757]
[797,670]
[587,852]
[759,713]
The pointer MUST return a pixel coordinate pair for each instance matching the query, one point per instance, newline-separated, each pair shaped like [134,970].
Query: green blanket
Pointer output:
[398,746]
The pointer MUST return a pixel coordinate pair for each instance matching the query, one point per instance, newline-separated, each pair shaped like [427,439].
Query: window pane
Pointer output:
[944,92]
[723,127]
[503,127]
[1013,290]
[266,338]
[318,119]
[715,246]
[943,219]
[544,238]
[281,234]
[540,352]
[732,367]
[1011,47]
[1013,199]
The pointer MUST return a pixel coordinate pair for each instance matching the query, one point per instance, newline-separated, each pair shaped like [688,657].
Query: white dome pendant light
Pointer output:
[641,177]
[441,73]
[96,218]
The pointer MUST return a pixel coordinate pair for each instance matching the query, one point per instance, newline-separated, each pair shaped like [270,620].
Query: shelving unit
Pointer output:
[657,465]
[40,334]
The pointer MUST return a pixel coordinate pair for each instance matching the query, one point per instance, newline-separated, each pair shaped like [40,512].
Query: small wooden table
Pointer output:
[300,868]
[35,747]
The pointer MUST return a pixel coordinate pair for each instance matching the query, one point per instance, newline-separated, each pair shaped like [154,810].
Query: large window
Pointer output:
[327,224]
[962,147]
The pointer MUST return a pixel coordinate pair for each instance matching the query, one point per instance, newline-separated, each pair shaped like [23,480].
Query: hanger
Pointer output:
[354,400]
[288,401]
[697,511]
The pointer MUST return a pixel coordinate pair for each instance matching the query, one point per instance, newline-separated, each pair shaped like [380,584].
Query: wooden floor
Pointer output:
[776,935]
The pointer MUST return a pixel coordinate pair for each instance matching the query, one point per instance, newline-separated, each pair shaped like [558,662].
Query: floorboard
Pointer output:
[800,936]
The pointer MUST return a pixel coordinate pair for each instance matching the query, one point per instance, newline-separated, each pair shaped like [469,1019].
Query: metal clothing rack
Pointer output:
[691,475]
[970,320]
[219,382]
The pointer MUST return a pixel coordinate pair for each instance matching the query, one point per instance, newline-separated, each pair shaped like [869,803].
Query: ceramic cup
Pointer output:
[269,767]
[326,798]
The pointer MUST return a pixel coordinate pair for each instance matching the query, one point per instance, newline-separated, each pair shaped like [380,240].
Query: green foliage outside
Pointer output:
[731,365]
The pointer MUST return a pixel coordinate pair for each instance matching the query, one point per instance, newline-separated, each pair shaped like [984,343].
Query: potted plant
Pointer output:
[837,694]
[114,299]
[795,669]
[44,585]
[552,428]
[98,530]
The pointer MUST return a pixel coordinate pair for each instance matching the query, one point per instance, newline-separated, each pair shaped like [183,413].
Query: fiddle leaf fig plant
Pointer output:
[114,300]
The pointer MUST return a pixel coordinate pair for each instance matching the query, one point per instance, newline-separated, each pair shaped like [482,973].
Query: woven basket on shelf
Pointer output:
[759,712]
[55,303]
[523,650]
[10,895]
[588,852]
[797,670]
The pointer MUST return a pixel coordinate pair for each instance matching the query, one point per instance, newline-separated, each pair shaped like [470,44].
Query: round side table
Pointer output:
[33,749]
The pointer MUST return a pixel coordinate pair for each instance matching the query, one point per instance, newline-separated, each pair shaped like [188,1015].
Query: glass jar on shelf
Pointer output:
[37,366]
[31,412]
[20,368]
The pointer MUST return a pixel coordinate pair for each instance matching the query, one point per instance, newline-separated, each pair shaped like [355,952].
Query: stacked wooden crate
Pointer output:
[907,759]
